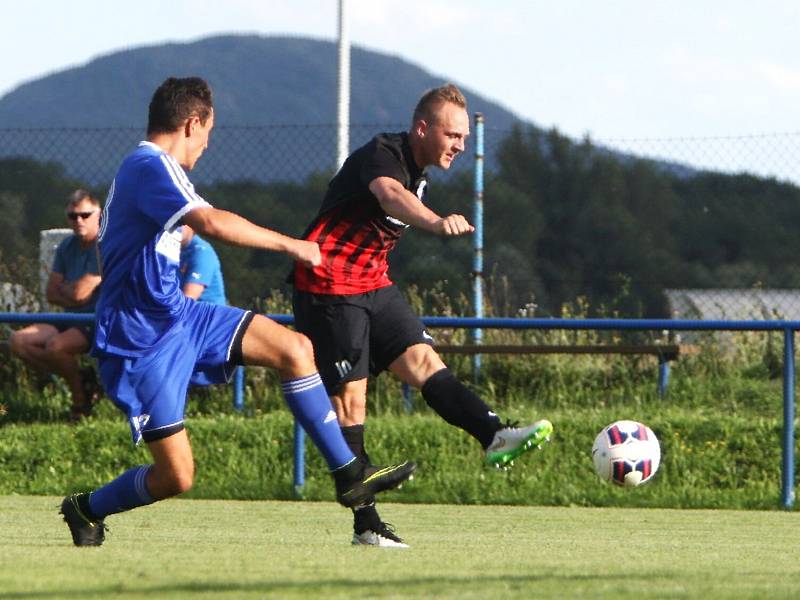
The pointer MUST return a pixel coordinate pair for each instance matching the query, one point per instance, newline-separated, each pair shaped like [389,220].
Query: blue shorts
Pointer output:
[151,390]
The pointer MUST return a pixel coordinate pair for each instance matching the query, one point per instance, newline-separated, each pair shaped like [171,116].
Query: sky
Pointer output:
[611,69]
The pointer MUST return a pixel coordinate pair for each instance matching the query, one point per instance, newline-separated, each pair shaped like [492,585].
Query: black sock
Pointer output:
[366,516]
[354,437]
[460,406]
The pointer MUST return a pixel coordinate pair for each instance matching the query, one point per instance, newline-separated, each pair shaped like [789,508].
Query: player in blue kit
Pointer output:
[152,341]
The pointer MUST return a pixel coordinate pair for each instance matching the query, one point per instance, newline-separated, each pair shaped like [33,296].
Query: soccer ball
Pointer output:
[626,453]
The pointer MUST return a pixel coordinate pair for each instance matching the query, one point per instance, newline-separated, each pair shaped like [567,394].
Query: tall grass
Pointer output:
[719,424]
[732,372]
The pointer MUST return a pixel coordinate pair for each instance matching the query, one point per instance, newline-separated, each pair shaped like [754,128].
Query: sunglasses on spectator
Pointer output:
[73,216]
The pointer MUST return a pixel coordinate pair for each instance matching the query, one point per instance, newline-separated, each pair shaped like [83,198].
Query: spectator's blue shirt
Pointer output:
[140,243]
[73,262]
[200,264]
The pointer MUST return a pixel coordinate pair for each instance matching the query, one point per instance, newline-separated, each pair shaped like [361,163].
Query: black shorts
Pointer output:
[357,335]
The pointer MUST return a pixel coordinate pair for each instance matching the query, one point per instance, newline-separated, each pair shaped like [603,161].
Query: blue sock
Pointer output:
[127,491]
[309,402]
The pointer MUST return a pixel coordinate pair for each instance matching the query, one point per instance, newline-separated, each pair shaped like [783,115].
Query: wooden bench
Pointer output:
[662,351]
[665,353]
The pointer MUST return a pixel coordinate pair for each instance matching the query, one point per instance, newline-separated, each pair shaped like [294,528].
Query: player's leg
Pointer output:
[151,391]
[269,344]
[339,327]
[403,344]
[351,403]
[62,352]
[421,367]
[368,527]
[171,473]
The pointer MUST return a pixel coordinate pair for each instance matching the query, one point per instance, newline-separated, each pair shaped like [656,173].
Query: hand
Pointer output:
[306,252]
[453,225]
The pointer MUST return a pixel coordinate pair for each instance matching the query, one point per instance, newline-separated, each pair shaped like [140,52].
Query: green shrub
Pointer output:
[719,424]
[719,461]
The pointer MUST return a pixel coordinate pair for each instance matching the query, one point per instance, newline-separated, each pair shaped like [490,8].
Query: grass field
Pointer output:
[230,549]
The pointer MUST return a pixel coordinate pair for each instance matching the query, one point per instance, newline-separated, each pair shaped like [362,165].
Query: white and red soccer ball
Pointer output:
[626,453]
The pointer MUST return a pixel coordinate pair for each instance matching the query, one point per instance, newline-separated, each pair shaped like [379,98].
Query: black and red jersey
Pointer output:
[354,233]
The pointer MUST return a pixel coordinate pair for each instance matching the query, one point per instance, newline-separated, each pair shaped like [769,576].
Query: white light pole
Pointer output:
[343,104]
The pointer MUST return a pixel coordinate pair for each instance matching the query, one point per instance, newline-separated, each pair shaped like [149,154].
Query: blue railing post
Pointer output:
[477,269]
[787,470]
[299,459]
[238,388]
[408,402]
[663,376]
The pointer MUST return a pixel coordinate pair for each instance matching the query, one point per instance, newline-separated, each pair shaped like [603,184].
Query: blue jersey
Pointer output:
[140,242]
[73,262]
[200,264]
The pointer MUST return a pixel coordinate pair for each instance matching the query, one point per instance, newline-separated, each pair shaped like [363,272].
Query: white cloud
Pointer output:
[779,76]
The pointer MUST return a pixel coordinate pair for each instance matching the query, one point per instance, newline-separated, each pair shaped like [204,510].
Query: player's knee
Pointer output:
[430,363]
[184,483]
[354,400]
[179,481]
[298,353]
[421,364]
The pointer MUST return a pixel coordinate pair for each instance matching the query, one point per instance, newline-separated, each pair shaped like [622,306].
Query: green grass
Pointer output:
[234,549]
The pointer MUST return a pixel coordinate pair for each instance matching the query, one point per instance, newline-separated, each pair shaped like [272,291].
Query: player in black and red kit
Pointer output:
[358,321]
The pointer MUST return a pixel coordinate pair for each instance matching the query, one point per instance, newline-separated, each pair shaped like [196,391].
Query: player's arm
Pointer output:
[230,228]
[398,202]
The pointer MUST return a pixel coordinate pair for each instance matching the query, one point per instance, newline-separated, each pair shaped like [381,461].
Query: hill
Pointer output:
[258,81]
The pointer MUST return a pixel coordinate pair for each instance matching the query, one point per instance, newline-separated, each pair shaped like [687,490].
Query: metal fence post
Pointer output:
[299,459]
[477,269]
[787,470]
[408,402]
[663,376]
[238,388]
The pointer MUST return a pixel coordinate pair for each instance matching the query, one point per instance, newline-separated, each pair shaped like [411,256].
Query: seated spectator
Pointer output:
[201,272]
[73,284]
[201,279]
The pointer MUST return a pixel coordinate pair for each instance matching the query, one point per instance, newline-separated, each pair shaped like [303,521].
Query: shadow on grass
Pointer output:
[413,587]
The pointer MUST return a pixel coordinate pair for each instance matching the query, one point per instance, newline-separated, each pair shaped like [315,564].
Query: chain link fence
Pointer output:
[769,155]
[616,248]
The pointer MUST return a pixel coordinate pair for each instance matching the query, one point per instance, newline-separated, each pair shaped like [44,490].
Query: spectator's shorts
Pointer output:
[151,390]
[357,335]
[87,329]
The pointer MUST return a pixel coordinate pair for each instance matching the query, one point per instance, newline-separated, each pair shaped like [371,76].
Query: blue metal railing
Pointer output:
[787,327]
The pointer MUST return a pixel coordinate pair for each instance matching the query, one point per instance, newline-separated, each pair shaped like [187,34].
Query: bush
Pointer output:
[719,461]
[719,425]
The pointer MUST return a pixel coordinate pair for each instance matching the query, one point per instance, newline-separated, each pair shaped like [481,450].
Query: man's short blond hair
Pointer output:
[433,99]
